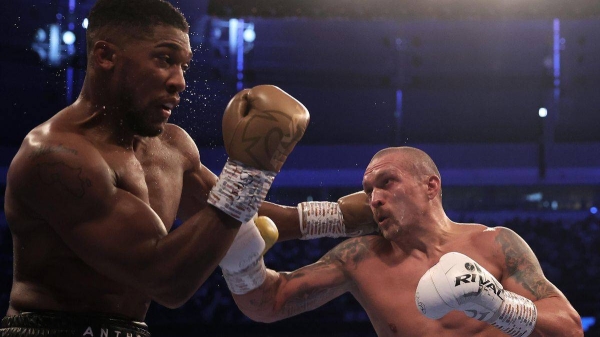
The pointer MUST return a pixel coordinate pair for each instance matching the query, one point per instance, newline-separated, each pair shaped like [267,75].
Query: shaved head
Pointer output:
[415,161]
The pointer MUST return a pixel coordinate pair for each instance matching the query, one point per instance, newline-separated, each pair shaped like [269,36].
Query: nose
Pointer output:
[176,82]
[377,198]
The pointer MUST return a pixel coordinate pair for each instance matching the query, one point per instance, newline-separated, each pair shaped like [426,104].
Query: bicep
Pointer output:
[76,194]
[522,271]
[524,276]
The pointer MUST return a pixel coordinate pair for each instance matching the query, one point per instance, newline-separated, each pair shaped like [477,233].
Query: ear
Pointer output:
[104,54]
[434,184]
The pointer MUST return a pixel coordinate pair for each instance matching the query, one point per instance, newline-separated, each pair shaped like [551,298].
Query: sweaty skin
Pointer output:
[382,272]
[93,192]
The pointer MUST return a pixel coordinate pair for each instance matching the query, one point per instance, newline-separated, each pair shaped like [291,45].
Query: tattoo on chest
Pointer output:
[523,266]
[67,177]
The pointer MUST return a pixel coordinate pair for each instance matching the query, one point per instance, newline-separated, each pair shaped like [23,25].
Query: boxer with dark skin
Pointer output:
[384,272]
[93,192]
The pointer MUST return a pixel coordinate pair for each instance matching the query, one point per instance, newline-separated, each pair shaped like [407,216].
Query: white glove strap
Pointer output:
[240,190]
[321,219]
[516,317]
[246,280]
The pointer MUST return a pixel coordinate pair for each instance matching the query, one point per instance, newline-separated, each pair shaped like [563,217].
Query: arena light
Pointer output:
[85,23]
[249,34]
[543,112]
[534,197]
[68,37]
[54,45]
[593,210]
[40,35]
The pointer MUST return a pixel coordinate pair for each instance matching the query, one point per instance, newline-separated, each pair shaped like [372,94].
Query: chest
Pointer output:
[387,293]
[154,174]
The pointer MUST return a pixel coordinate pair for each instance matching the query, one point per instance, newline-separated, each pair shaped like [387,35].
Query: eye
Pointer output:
[165,59]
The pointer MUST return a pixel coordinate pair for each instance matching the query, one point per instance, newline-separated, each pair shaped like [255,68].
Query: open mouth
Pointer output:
[167,109]
[381,220]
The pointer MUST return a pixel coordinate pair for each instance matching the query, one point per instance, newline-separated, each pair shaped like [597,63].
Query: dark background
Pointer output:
[463,80]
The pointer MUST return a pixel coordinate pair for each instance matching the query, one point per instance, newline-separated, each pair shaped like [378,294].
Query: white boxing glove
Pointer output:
[457,282]
[243,266]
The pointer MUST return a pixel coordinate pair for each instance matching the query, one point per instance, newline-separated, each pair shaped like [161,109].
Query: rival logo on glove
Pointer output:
[489,285]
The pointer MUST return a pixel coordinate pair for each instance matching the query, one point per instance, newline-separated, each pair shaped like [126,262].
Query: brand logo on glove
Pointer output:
[483,283]
[272,144]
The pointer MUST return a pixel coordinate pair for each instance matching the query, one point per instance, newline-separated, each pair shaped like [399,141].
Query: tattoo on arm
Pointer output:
[523,266]
[350,252]
[68,178]
[309,296]
[44,150]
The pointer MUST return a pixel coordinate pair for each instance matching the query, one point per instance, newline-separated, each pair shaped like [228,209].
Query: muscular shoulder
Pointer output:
[53,168]
[47,149]
[178,139]
[351,252]
[499,239]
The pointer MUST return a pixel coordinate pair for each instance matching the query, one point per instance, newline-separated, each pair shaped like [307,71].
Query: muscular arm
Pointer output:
[286,218]
[523,275]
[113,230]
[283,295]
[354,209]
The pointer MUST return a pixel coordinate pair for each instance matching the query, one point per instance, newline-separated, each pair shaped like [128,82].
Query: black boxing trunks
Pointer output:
[64,324]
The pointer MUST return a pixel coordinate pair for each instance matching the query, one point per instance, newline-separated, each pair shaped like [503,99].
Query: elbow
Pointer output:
[257,314]
[576,326]
[261,318]
[171,297]
[570,327]
[169,301]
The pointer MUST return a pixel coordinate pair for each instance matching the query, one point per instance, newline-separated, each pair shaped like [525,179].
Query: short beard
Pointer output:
[139,127]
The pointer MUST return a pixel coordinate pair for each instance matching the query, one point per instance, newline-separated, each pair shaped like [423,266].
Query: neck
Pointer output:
[426,237]
[104,120]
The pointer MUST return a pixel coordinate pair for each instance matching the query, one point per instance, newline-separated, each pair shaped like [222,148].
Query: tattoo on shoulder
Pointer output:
[522,264]
[67,177]
[349,252]
[44,150]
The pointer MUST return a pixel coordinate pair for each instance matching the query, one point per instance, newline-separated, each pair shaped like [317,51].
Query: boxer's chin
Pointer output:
[149,129]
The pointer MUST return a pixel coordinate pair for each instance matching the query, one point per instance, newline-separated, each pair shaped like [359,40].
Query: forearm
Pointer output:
[260,303]
[285,217]
[347,217]
[556,317]
[189,255]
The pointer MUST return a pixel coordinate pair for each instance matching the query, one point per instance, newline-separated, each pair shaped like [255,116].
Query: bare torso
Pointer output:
[385,280]
[48,275]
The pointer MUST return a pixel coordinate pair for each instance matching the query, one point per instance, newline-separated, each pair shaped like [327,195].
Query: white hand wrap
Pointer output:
[517,316]
[321,219]
[243,266]
[240,190]
[457,282]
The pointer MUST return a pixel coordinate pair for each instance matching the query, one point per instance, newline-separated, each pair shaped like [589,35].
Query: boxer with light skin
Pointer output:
[425,275]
